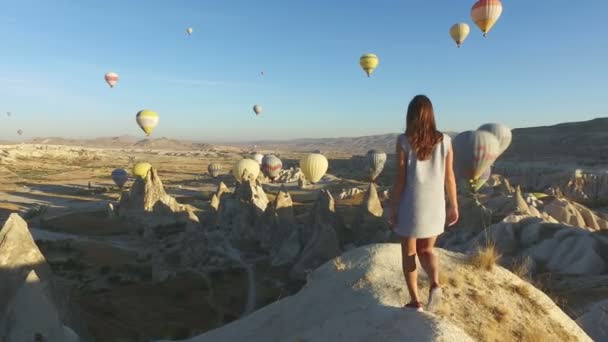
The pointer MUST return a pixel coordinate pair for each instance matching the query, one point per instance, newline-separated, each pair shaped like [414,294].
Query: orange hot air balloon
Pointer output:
[485,13]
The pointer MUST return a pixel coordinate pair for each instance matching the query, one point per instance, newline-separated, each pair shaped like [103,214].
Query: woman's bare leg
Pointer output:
[408,256]
[428,259]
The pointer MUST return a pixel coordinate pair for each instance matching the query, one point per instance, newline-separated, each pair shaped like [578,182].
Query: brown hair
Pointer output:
[421,129]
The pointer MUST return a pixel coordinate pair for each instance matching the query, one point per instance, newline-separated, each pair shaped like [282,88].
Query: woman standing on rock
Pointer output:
[418,212]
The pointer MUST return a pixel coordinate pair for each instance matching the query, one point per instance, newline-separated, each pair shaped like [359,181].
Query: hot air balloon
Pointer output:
[271,166]
[262,73]
[258,157]
[20,131]
[314,166]
[189,31]
[120,177]
[474,152]
[501,132]
[459,32]
[368,62]
[8,113]
[257,109]
[485,13]
[375,163]
[111,78]
[147,120]
[141,169]
[214,169]
[243,167]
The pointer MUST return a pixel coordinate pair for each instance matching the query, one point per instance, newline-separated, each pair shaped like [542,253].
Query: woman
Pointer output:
[418,212]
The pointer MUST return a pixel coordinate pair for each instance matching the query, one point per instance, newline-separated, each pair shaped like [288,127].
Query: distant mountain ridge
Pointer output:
[581,142]
[585,141]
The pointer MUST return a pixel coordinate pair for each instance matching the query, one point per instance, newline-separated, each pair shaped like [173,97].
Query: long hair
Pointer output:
[420,127]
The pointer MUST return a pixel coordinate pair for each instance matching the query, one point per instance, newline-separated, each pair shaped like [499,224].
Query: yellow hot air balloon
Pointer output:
[459,32]
[314,166]
[189,31]
[147,120]
[251,166]
[368,62]
[485,13]
[141,169]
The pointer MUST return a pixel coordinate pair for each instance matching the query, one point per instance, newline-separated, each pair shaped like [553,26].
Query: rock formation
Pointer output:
[359,297]
[289,175]
[595,321]
[241,212]
[281,233]
[349,193]
[320,238]
[148,204]
[29,306]
[369,224]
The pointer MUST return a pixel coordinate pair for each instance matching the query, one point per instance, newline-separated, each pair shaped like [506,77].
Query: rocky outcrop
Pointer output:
[349,193]
[369,224]
[289,175]
[29,308]
[148,204]
[585,187]
[240,213]
[550,247]
[366,290]
[595,321]
[320,239]
[281,233]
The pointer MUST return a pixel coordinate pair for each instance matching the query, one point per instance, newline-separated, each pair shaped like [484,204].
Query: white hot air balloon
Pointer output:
[189,31]
[375,163]
[501,132]
[258,157]
[214,169]
[257,109]
[245,167]
[314,166]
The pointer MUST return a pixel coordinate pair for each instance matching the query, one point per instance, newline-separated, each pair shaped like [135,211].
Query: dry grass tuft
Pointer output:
[499,313]
[521,268]
[339,264]
[485,257]
[521,289]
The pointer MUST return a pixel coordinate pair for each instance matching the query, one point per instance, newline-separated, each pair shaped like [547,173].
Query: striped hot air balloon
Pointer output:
[474,153]
[147,120]
[485,14]
[368,63]
[111,78]
[459,32]
[271,166]
[120,177]
[314,166]
[214,169]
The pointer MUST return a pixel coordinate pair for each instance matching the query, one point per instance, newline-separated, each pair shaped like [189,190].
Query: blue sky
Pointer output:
[544,62]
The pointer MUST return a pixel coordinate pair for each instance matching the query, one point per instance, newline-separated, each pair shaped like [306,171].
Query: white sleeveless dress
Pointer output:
[422,207]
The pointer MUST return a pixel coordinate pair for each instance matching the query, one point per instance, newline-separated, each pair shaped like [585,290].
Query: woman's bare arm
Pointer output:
[450,179]
[399,183]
